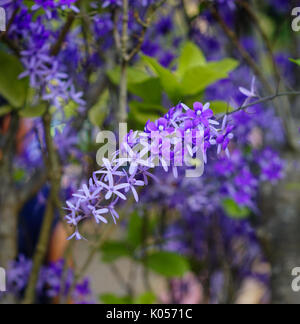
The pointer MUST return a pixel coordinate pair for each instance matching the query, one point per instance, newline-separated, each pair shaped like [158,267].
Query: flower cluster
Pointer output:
[50,6]
[182,136]
[53,282]
[48,74]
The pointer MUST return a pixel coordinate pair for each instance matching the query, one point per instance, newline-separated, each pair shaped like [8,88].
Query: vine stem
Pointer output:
[122,116]
[54,176]
[282,110]
[264,100]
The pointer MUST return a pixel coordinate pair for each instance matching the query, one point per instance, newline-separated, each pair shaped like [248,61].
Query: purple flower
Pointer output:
[113,189]
[164,25]
[132,184]
[107,3]
[272,167]
[164,140]
[224,138]
[201,114]
[162,125]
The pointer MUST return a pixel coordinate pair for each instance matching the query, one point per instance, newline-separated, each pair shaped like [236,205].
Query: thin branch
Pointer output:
[245,55]
[264,36]
[265,99]
[54,174]
[12,19]
[116,33]
[63,34]
[32,187]
[282,110]
[119,277]
[122,115]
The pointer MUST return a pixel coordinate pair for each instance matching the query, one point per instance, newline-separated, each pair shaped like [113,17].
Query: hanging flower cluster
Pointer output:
[182,136]
[34,32]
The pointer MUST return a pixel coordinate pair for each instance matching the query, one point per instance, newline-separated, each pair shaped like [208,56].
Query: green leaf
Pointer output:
[147,298]
[295,61]
[135,230]
[141,112]
[199,78]
[111,299]
[134,75]
[139,83]
[220,107]
[70,109]
[4,110]
[191,57]
[114,250]
[167,264]
[224,66]
[168,80]
[234,211]
[98,112]
[11,88]
[33,111]
[149,90]
[19,175]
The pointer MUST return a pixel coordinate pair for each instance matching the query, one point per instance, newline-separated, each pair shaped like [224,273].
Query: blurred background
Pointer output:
[70,69]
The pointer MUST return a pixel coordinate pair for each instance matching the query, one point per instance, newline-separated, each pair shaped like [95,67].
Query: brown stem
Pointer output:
[282,110]
[8,197]
[264,36]
[63,34]
[264,100]
[122,115]
[54,178]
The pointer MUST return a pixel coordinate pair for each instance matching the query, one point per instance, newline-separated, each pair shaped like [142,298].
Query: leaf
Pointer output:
[167,264]
[234,211]
[141,112]
[224,66]
[295,61]
[149,90]
[191,57]
[114,250]
[147,298]
[168,80]
[135,230]
[70,109]
[134,75]
[98,112]
[33,111]
[111,299]
[199,78]
[11,88]
[220,107]
[139,83]
[19,175]
[4,110]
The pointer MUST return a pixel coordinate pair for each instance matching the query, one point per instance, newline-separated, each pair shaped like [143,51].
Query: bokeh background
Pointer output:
[70,69]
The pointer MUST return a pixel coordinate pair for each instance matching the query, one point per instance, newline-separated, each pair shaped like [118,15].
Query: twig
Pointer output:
[54,177]
[264,36]
[90,257]
[145,25]
[117,36]
[282,110]
[234,39]
[32,187]
[8,205]
[63,34]
[16,11]
[265,99]
[126,286]
[122,115]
